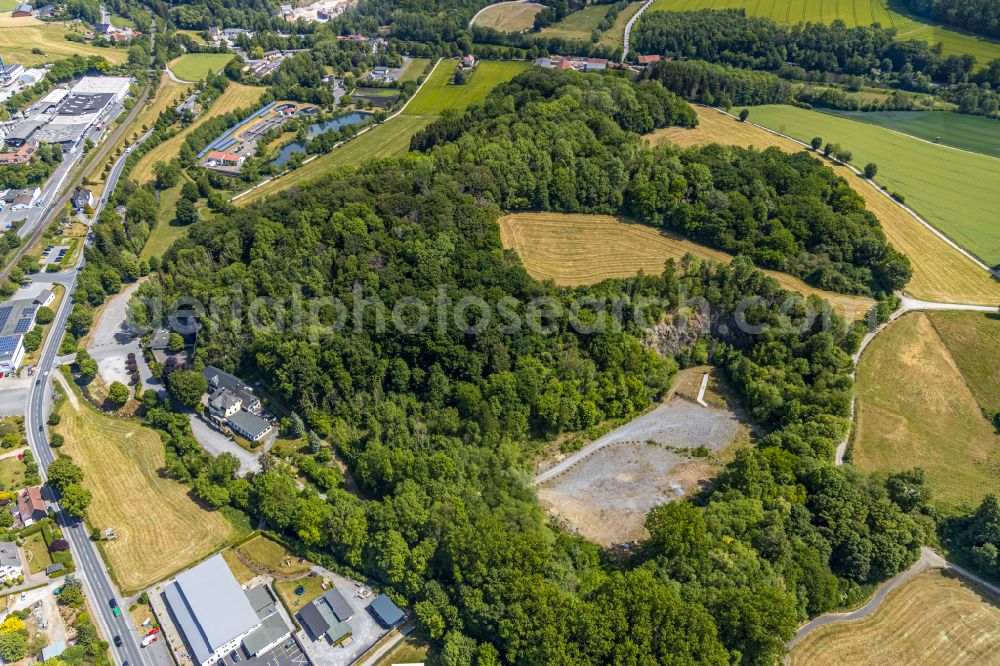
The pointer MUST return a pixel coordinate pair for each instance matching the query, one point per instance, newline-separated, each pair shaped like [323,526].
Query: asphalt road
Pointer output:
[90,566]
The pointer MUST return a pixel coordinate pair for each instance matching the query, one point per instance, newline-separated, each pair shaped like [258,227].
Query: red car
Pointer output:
[20,456]
[155,630]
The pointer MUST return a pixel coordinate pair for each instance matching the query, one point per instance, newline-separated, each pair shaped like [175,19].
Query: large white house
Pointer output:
[10,561]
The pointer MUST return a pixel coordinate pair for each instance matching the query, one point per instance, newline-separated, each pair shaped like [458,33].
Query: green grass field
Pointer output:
[19,36]
[852,12]
[955,191]
[8,5]
[438,95]
[390,138]
[916,407]
[581,23]
[196,66]
[415,69]
[959,130]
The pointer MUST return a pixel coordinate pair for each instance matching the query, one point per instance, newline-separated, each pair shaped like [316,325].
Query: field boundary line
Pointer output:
[338,145]
[937,232]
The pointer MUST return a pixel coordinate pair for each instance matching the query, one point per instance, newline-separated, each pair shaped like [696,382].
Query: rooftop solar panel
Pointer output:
[22,326]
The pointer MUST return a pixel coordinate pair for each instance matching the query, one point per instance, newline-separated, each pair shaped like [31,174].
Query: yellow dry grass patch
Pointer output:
[940,272]
[936,618]
[915,409]
[236,96]
[509,16]
[19,35]
[585,249]
[160,528]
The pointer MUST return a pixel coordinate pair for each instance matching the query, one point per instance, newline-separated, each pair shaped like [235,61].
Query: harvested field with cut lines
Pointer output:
[935,618]
[940,273]
[18,36]
[160,528]
[585,249]
[915,409]
[514,16]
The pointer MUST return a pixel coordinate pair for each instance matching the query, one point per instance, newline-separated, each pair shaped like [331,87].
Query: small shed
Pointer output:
[386,611]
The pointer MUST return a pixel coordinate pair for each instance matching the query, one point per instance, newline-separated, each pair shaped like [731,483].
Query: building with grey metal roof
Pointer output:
[386,611]
[10,561]
[249,425]
[272,630]
[211,610]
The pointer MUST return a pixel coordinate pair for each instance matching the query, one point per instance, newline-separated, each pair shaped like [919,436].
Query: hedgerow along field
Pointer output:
[581,23]
[935,618]
[18,36]
[940,272]
[956,191]
[585,249]
[949,128]
[160,528]
[196,66]
[851,12]
[915,409]
[513,16]
[437,94]
[385,140]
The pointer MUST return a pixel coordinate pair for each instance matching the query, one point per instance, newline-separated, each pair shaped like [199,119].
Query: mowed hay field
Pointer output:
[935,618]
[18,36]
[437,94]
[585,249]
[852,12]
[581,23]
[236,96]
[915,409]
[385,140]
[972,337]
[160,528]
[196,66]
[956,191]
[509,16]
[940,273]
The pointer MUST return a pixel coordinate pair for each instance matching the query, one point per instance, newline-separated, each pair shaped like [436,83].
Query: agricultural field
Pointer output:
[940,273]
[389,138]
[236,96]
[160,528]
[916,409]
[585,249]
[196,66]
[953,190]
[515,16]
[935,618]
[648,461]
[852,12]
[581,23]
[438,95]
[19,36]
[969,336]
[949,128]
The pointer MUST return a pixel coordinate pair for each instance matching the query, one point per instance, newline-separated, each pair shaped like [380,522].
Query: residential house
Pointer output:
[104,28]
[81,199]
[224,403]
[327,617]
[249,425]
[647,60]
[214,32]
[218,379]
[10,561]
[20,199]
[45,12]
[468,62]
[31,506]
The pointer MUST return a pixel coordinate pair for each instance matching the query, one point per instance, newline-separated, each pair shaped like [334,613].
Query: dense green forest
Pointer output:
[979,16]
[438,424]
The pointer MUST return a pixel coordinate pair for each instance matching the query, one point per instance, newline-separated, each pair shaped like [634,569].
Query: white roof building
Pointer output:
[114,85]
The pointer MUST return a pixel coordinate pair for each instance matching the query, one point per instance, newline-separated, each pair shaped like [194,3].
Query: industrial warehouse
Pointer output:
[64,117]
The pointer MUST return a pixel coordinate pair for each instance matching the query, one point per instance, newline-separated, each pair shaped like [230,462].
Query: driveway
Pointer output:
[216,443]
[110,343]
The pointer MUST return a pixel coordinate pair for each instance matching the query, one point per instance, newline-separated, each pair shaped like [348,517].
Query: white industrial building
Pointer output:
[96,85]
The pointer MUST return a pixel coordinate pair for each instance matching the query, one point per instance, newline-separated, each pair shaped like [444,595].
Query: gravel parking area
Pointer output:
[365,630]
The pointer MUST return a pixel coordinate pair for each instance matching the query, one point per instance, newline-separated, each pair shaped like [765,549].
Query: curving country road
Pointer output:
[628,27]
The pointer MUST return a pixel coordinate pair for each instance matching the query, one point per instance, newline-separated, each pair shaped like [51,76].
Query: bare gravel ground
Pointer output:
[606,493]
